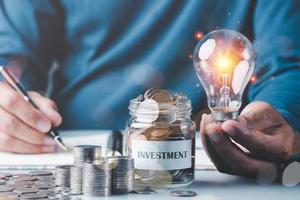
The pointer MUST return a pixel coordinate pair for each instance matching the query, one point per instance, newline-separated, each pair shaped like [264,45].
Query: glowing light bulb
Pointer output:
[224,61]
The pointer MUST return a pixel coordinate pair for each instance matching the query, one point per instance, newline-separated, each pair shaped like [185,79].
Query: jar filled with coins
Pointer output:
[160,137]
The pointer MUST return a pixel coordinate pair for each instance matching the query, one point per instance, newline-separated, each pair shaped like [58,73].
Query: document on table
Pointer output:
[72,138]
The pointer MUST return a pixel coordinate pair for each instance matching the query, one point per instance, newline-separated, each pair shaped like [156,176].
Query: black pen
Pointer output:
[12,81]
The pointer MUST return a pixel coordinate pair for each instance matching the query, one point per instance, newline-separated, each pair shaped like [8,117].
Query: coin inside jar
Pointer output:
[137,135]
[161,96]
[158,133]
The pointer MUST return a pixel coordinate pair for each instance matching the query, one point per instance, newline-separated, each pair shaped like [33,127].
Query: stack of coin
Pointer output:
[86,153]
[62,176]
[122,174]
[97,179]
[82,154]
[76,180]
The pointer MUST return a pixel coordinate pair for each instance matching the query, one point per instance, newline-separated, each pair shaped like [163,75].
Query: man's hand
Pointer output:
[23,128]
[260,129]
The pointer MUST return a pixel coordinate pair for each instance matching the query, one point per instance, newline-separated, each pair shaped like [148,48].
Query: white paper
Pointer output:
[70,138]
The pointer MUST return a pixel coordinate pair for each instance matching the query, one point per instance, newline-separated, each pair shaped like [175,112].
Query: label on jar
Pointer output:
[162,155]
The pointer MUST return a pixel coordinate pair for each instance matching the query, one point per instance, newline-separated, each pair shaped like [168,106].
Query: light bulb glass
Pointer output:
[224,61]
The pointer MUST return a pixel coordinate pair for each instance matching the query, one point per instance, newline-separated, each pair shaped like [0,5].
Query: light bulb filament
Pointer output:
[224,92]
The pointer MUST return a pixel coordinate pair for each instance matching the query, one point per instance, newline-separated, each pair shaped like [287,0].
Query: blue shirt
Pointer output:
[108,52]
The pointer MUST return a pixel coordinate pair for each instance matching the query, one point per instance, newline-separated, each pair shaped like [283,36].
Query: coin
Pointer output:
[183,193]
[41,186]
[41,173]
[144,190]
[5,174]
[33,196]
[2,182]
[76,180]
[86,153]
[6,188]
[22,179]
[9,195]
[136,134]
[122,174]
[147,111]
[96,179]
[158,133]
[25,190]
[161,96]
[149,93]
[21,175]
[23,183]
[62,175]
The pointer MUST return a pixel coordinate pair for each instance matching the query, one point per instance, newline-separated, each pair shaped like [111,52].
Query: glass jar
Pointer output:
[160,137]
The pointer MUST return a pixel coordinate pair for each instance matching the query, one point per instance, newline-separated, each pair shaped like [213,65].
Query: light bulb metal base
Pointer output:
[223,116]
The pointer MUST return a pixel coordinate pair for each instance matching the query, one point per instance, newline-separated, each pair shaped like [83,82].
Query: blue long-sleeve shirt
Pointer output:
[108,52]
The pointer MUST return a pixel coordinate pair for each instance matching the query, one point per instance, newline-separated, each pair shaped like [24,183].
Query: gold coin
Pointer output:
[136,135]
[162,96]
[158,133]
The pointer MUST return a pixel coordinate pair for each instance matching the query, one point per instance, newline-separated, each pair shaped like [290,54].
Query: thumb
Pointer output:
[47,107]
[259,116]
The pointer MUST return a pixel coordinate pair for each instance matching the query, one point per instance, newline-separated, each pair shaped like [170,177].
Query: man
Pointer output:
[110,51]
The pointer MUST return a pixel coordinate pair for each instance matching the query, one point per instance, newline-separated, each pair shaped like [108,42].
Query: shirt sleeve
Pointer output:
[277,42]
[28,37]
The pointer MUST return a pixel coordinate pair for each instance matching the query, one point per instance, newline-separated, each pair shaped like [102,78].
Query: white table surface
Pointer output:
[212,185]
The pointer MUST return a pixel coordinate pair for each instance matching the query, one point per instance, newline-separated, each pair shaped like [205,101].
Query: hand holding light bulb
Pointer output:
[249,144]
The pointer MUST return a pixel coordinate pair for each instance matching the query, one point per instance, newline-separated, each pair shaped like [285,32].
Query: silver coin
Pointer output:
[145,190]
[62,175]
[54,196]
[183,193]
[33,196]
[41,186]
[122,174]
[6,188]
[86,153]
[96,179]
[41,173]
[22,179]
[15,176]
[5,174]
[23,183]
[26,190]
[2,182]
[76,180]
[9,195]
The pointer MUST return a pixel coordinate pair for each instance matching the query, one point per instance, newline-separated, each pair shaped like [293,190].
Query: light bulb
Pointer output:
[224,62]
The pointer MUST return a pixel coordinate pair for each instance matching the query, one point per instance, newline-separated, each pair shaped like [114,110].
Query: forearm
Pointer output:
[282,91]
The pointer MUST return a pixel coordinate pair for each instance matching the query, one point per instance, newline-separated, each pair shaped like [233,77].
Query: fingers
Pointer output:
[22,126]
[259,116]
[268,146]
[47,107]
[15,104]
[11,144]
[237,162]
[13,126]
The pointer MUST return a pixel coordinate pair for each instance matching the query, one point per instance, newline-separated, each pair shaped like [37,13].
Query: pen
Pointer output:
[12,81]
[115,142]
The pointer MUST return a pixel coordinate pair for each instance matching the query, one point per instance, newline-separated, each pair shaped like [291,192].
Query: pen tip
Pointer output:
[61,144]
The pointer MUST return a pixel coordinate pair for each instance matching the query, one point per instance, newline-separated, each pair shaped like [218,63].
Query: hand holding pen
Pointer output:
[24,126]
